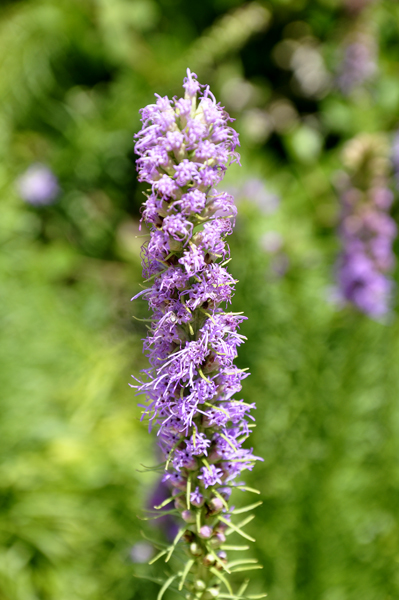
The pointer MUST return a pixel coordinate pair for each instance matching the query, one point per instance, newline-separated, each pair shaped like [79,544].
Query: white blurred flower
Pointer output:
[38,185]
[141,552]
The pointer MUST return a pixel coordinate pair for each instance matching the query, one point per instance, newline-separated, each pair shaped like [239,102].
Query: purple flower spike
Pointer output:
[366,229]
[38,185]
[184,147]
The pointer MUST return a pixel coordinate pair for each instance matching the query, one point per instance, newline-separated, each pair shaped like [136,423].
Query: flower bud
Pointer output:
[180,503]
[188,516]
[180,483]
[209,560]
[225,492]
[174,245]
[188,536]
[213,455]
[192,465]
[222,560]
[221,537]
[215,505]
[205,532]
[200,585]
[217,540]
[211,593]
[195,549]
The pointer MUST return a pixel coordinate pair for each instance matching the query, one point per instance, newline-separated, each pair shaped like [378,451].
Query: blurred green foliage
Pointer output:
[73,75]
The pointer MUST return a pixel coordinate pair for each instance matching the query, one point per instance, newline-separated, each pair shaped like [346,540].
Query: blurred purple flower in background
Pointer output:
[359,63]
[255,190]
[272,242]
[38,185]
[366,229]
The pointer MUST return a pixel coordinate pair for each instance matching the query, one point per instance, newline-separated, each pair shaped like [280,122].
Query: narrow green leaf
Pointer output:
[143,320]
[243,588]
[242,561]
[222,578]
[160,511]
[216,557]
[239,511]
[237,529]
[217,408]
[248,489]
[230,443]
[222,499]
[186,572]
[208,315]
[176,591]
[206,463]
[155,579]
[173,546]
[225,263]
[170,455]
[253,568]
[203,376]
[165,502]
[227,547]
[154,468]
[194,434]
[155,542]
[188,491]
[155,275]
[159,515]
[241,524]
[246,521]
[243,460]
[237,597]
[158,556]
[165,586]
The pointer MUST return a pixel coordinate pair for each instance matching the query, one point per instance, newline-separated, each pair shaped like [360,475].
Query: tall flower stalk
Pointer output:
[367,230]
[184,147]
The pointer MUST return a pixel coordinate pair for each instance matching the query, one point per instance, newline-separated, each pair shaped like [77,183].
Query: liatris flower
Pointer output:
[38,185]
[366,229]
[185,146]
